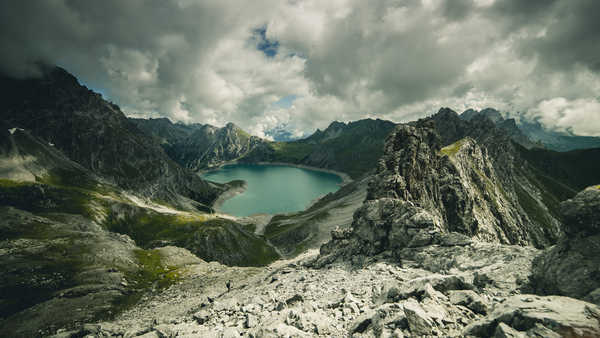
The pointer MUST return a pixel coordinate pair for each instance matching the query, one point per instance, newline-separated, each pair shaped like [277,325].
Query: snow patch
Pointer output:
[150,205]
[13,130]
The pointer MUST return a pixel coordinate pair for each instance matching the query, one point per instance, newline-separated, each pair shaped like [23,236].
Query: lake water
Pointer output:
[273,189]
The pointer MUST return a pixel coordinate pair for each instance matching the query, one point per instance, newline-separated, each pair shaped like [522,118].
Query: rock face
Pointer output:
[508,125]
[422,192]
[572,267]
[352,148]
[532,134]
[197,146]
[209,146]
[534,316]
[96,134]
[52,267]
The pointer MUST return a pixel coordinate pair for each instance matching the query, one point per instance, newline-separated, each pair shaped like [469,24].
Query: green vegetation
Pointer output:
[275,228]
[292,152]
[576,170]
[532,207]
[31,277]
[4,183]
[44,199]
[153,275]
[210,239]
[452,149]
[352,148]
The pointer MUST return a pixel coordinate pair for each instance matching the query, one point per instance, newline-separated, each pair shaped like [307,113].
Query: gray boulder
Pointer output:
[564,316]
[572,267]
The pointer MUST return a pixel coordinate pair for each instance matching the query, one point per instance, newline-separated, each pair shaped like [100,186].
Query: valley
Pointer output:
[438,226]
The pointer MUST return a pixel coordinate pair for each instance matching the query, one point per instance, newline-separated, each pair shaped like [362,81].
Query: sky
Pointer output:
[300,64]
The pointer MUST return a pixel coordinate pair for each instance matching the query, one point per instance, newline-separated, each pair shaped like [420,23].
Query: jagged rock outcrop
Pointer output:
[508,125]
[197,146]
[535,316]
[422,192]
[572,267]
[352,148]
[209,146]
[95,134]
[51,267]
[532,134]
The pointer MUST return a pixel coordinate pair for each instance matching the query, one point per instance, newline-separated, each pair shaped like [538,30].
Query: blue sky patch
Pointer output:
[268,47]
[285,102]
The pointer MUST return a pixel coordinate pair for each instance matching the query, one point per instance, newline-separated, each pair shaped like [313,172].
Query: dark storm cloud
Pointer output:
[217,61]
[572,39]
[457,9]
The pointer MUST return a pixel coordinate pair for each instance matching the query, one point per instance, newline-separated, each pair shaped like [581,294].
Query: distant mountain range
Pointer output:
[532,134]
[352,148]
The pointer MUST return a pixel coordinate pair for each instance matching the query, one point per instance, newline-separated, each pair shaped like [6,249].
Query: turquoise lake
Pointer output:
[273,189]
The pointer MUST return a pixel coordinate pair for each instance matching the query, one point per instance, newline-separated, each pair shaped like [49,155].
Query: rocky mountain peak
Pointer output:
[231,126]
[425,190]
[96,134]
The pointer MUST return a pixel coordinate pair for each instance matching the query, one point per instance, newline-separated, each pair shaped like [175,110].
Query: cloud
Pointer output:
[237,61]
[578,116]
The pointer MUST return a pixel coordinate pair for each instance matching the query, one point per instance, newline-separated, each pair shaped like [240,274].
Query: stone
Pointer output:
[572,267]
[565,316]
[469,299]
[361,323]
[505,331]
[230,332]
[201,316]
[419,322]
[294,299]
[251,321]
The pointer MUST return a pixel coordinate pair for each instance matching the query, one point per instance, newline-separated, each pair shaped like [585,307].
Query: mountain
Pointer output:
[532,134]
[557,140]
[96,134]
[197,146]
[351,148]
[509,125]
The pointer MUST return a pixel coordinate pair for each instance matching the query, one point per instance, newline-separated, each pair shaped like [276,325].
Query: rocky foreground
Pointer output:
[471,289]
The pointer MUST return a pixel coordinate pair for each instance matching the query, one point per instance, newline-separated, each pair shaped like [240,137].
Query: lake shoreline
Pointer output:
[234,190]
[227,194]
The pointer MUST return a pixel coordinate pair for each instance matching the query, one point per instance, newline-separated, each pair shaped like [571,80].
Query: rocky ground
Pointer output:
[473,289]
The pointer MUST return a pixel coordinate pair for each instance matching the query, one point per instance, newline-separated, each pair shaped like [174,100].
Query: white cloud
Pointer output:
[582,116]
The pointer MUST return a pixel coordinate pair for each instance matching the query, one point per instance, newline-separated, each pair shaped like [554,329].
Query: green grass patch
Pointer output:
[293,152]
[214,239]
[452,149]
[153,275]
[4,183]
[43,198]
[531,207]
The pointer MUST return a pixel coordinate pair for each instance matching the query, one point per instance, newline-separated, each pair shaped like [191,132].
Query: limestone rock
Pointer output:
[470,299]
[564,316]
[419,322]
[572,267]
